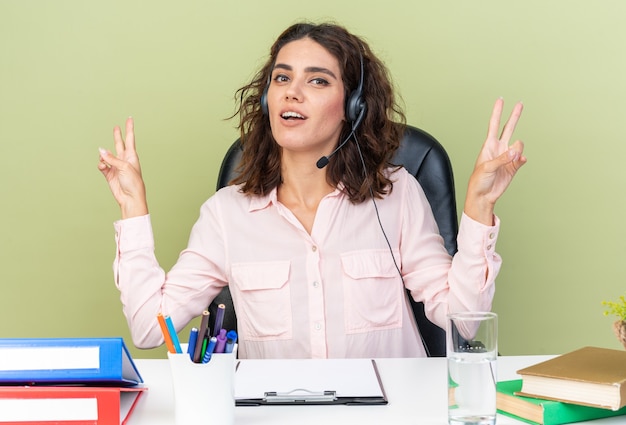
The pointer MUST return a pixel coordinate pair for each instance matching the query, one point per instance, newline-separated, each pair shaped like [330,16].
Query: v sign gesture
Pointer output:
[123,173]
[495,167]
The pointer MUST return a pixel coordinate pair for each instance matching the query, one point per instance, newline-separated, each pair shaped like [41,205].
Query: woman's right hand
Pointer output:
[123,173]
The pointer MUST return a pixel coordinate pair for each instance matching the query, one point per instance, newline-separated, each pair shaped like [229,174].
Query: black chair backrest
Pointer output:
[425,158]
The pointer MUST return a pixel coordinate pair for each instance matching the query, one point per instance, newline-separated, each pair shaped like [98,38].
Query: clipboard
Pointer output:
[308,382]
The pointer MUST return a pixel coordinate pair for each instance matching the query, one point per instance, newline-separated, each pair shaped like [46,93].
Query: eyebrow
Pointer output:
[307,69]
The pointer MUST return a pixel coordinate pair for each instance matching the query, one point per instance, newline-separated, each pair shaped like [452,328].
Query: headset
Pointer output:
[355,104]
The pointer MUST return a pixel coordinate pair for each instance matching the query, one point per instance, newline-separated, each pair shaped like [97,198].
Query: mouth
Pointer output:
[291,115]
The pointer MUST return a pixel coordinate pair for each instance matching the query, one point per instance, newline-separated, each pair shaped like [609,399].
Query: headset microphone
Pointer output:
[323,161]
[355,111]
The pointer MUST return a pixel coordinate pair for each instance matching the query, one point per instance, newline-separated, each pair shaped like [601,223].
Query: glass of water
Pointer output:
[472,351]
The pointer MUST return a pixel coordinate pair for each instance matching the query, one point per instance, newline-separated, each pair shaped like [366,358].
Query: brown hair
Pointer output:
[378,135]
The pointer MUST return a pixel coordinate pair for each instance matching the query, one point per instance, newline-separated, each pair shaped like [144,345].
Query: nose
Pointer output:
[293,91]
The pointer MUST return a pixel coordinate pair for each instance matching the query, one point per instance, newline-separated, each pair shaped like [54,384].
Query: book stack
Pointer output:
[585,384]
[67,381]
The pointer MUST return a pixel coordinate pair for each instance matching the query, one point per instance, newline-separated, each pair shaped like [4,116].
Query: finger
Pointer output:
[510,156]
[513,156]
[103,166]
[509,127]
[521,161]
[518,159]
[130,134]
[119,141]
[518,146]
[494,121]
[109,159]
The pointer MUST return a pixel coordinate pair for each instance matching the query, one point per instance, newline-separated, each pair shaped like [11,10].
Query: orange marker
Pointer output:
[166,333]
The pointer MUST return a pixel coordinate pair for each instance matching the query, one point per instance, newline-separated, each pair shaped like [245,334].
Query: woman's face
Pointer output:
[306,98]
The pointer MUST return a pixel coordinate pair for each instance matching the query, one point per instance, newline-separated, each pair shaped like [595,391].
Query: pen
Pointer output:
[166,334]
[205,341]
[204,327]
[231,338]
[191,347]
[209,350]
[172,330]
[221,341]
[219,319]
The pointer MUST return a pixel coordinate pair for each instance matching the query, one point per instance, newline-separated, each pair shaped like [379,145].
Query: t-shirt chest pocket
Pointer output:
[372,291]
[263,300]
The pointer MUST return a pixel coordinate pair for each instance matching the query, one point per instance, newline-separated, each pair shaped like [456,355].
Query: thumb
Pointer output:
[511,155]
[511,158]
[109,159]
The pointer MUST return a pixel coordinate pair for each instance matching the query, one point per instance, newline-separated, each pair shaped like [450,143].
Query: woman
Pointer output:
[310,271]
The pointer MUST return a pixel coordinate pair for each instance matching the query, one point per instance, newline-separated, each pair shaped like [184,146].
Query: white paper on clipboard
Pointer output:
[352,381]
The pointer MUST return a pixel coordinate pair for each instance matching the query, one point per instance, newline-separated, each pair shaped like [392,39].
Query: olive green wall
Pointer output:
[70,70]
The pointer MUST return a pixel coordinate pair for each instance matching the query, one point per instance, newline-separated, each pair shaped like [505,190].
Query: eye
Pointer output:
[281,78]
[319,81]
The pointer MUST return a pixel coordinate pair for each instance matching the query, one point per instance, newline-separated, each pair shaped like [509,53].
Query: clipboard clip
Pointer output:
[300,395]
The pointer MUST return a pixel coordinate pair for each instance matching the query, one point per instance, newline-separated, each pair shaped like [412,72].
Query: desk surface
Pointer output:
[416,389]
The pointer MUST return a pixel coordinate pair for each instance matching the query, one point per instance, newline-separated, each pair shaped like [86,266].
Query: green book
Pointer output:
[544,412]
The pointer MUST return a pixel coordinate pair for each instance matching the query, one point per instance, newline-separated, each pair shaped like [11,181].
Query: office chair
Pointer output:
[426,159]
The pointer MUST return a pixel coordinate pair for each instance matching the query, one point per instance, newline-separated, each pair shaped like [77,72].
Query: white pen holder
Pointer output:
[203,392]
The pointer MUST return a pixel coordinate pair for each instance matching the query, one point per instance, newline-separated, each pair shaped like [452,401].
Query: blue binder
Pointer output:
[89,361]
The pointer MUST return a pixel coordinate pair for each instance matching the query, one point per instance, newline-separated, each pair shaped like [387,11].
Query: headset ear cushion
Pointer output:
[354,106]
[264,108]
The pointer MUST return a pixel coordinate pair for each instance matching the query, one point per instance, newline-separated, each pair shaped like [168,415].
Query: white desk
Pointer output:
[416,389]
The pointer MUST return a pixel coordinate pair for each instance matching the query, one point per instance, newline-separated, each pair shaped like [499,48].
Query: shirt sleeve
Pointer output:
[139,279]
[465,282]
[146,289]
[471,279]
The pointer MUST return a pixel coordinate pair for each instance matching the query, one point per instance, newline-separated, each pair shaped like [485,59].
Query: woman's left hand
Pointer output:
[495,167]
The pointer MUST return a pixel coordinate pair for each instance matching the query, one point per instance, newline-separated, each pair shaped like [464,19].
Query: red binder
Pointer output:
[75,405]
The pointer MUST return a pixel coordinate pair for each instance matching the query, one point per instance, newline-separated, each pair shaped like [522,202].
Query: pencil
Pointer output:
[219,319]
[166,334]
[202,333]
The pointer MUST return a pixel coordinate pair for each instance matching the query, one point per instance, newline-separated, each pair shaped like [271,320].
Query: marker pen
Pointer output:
[231,338]
[191,346]
[173,335]
[209,350]
[221,341]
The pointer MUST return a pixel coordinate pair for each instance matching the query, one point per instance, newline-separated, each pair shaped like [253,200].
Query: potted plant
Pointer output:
[618,309]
